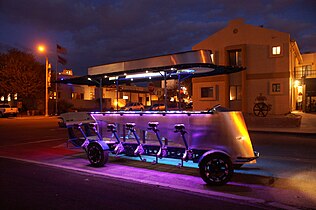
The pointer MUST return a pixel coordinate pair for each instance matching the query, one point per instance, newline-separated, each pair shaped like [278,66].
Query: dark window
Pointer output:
[234,58]
[207,92]
[276,87]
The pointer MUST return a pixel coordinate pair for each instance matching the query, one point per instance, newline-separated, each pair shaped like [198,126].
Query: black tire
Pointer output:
[216,169]
[96,155]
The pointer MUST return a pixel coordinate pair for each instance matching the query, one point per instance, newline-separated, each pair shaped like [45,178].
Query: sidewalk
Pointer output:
[308,125]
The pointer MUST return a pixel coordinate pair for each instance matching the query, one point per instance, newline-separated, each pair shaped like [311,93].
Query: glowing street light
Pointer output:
[41,49]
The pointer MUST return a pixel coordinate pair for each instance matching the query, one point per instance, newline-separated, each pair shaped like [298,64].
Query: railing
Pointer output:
[307,73]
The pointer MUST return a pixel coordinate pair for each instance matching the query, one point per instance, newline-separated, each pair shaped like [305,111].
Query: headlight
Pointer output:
[240,138]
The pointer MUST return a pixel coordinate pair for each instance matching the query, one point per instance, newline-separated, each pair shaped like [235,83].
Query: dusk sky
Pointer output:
[104,31]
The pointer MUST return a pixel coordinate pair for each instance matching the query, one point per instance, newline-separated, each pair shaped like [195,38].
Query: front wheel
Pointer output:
[96,155]
[216,169]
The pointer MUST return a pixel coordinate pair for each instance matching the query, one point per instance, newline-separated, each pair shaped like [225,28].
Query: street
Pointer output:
[38,187]
[283,177]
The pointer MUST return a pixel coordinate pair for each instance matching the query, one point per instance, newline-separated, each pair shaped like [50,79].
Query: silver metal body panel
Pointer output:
[190,57]
[223,131]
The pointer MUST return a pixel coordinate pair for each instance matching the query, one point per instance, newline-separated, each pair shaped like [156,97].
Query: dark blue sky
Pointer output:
[104,31]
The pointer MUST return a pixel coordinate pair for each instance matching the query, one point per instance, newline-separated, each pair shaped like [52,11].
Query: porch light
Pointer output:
[297,83]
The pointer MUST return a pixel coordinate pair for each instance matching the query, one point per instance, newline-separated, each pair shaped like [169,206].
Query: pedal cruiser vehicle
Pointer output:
[217,140]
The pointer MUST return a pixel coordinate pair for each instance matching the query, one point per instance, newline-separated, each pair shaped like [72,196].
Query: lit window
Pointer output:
[276,88]
[92,96]
[276,50]
[235,93]
[212,57]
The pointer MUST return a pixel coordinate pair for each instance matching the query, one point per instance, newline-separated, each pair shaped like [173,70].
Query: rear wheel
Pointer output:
[216,169]
[96,155]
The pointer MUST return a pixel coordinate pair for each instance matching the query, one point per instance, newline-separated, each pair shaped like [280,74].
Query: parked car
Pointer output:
[134,106]
[157,107]
[7,110]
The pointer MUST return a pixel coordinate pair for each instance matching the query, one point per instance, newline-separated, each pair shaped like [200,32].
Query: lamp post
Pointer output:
[42,50]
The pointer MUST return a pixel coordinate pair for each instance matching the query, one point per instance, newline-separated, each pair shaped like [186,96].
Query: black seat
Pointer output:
[179,128]
[111,127]
[130,125]
[153,125]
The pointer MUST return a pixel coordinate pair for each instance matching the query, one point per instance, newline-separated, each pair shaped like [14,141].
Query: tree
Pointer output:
[20,73]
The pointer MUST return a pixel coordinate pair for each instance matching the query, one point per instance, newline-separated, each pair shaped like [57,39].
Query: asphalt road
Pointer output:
[283,177]
[31,186]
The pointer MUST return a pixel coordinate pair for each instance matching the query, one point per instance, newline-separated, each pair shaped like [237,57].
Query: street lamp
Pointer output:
[41,49]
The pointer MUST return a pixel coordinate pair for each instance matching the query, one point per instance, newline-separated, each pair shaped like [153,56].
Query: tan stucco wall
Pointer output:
[220,82]
[262,67]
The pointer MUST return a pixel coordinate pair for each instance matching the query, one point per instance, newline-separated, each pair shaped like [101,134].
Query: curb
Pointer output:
[307,133]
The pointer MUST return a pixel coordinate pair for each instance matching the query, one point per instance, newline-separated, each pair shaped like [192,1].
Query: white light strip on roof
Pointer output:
[153,74]
[113,78]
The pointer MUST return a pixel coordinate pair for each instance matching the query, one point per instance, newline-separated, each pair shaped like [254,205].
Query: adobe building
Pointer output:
[271,59]
[275,70]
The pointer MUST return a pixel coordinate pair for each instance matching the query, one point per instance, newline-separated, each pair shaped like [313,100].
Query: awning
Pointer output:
[196,63]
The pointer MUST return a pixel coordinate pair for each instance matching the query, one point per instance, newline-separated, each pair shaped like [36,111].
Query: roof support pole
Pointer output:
[101,94]
[165,78]
[117,89]
[179,94]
